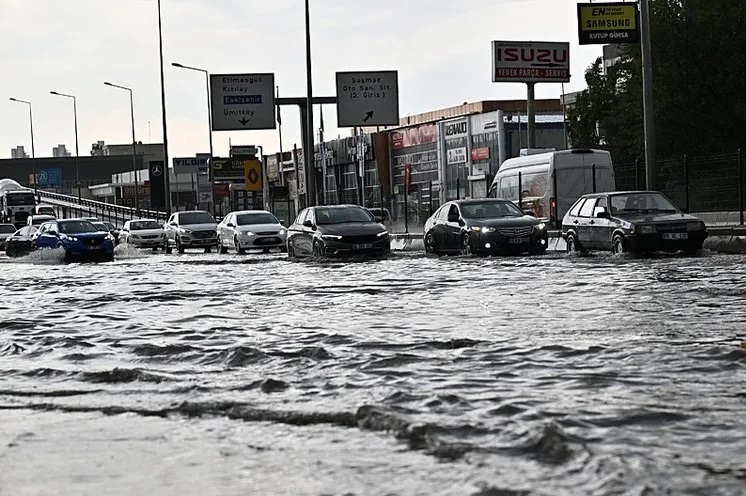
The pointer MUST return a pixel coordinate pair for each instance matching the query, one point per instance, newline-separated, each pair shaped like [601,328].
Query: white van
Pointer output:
[574,171]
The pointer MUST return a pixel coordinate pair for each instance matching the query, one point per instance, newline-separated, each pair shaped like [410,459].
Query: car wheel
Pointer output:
[167,247]
[222,249]
[430,244]
[617,245]
[572,244]
[237,245]
[318,249]
[466,248]
[179,246]
[208,250]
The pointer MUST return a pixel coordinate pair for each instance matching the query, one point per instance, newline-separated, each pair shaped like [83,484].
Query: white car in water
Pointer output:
[191,229]
[251,230]
[142,233]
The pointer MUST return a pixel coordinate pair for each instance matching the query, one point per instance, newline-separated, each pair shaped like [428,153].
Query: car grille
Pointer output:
[516,232]
[268,233]
[267,241]
[203,234]
[365,238]
[667,228]
[150,236]
[92,241]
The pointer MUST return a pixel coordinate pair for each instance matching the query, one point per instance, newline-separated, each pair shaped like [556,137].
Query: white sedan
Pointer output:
[142,233]
[251,230]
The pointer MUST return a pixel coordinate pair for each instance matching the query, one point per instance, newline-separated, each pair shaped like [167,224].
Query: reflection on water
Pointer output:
[225,374]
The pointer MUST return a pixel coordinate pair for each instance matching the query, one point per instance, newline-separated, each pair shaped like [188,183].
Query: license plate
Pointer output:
[92,247]
[364,246]
[518,241]
[675,236]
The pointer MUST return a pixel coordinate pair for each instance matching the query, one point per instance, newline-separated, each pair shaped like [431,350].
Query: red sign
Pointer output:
[407,177]
[414,136]
[221,191]
[480,154]
[530,62]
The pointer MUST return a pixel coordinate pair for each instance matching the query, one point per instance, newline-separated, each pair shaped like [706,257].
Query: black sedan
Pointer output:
[482,227]
[633,221]
[337,230]
[20,243]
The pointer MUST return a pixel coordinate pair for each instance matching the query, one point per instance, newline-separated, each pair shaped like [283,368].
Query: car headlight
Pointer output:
[484,229]
[70,238]
[110,237]
[540,226]
[283,232]
[382,234]
[186,231]
[645,229]
[248,233]
[135,236]
[330,236]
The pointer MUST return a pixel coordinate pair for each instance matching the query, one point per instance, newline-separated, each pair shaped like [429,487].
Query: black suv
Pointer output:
[631,221]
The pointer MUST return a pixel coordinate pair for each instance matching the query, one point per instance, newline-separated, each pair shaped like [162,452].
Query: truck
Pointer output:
[547,184]
[16,202]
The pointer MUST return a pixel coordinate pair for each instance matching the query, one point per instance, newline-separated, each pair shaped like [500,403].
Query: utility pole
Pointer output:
[531,111]
[308,155]
[647,95]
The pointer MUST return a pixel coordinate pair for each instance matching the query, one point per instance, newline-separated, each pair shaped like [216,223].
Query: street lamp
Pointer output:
[134,142]
[77,155]
[33,156]
[209,114]
[163,112]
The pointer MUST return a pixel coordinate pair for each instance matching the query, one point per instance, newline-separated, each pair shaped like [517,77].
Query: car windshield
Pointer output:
[489,210]
[342,215]
[109,226]
[196,218]
[144,225]
[77,227]
[7,228]
[641,202]
[100,226]
[258,218]
[21,199]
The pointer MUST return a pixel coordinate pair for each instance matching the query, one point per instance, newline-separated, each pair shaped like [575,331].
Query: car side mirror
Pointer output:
[52,233]
[378,219]
[230,224]
[602,214]
[308,223]
[453,218]
[282,222]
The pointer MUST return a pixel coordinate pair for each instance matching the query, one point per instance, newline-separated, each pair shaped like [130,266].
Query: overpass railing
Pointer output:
[116,214]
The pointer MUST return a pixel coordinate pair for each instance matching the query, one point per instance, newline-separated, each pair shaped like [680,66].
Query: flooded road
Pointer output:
[205,374]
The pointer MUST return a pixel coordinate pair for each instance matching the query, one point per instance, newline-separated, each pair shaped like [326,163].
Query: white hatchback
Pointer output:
[142,233]
[251,230]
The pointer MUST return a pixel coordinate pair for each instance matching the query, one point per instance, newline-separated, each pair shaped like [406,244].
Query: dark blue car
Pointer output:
[80,239]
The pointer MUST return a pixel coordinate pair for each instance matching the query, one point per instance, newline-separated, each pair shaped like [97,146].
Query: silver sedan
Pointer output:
[251,230]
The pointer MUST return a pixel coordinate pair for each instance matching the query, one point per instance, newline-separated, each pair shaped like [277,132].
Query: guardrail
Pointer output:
[117,214]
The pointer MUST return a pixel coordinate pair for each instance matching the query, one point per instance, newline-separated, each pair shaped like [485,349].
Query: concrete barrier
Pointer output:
[407,242]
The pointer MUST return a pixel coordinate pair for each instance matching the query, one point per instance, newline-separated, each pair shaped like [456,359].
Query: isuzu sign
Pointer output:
[530,62]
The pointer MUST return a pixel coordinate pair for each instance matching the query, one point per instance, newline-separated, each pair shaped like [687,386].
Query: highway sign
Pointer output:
[252,175]
[367,98]
[242,101]
[51,177]
[190,165]
[602,23]
[530,62]
[248,150]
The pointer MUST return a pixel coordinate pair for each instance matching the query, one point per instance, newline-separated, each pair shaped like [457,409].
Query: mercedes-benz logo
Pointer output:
[157,170]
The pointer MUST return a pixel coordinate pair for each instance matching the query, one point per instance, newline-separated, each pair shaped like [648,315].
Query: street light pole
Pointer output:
[77,154]
[308,155]
[33,155]
[647,95]
[166,168]
[134,141]
[209,117]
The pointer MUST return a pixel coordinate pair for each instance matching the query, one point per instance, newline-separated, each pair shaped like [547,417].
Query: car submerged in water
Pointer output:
[336,231]
[484,227]
[632,221]
[79,238]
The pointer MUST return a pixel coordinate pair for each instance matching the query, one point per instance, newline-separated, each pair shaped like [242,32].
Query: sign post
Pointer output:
[367,98]
[530,62]
[242,101]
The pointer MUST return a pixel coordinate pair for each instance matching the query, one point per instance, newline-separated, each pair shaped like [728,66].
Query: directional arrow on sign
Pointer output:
[368,116]
[253,176]
[243,121]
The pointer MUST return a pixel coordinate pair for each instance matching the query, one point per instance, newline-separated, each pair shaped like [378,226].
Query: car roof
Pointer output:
[192,212]
[337,206]
[618,193]
[479,200]
[250,212]
[142,220]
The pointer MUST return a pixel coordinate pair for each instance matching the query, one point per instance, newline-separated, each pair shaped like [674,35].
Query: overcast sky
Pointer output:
[441,49]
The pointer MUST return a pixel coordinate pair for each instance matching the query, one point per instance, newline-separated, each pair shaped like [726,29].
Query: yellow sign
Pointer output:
[252,174]
[601,23]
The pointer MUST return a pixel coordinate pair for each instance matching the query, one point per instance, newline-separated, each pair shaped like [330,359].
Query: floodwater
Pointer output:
[206,374]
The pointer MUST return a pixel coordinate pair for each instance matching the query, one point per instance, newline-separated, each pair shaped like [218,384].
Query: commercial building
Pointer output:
[18,152]
[60,151]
